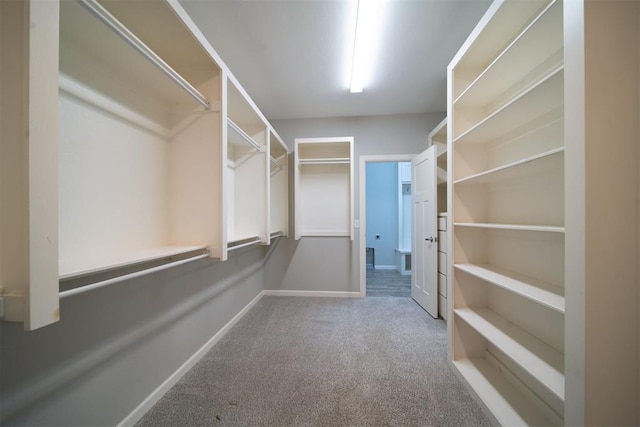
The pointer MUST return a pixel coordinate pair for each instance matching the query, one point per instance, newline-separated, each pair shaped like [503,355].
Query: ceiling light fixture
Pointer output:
[366,20]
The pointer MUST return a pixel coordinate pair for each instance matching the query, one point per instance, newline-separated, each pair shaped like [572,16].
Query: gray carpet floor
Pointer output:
[304,361]
[387,283]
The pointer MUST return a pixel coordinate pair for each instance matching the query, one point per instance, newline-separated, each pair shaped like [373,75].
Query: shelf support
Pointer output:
[108,19]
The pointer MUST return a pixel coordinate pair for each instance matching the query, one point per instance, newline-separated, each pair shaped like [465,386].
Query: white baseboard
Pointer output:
[160,391]
[386,267]
[333,294]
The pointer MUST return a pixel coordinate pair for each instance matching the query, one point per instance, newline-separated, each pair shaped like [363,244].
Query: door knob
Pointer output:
[432,239]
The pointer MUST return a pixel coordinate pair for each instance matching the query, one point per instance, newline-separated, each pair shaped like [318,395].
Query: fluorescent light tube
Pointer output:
[364,43]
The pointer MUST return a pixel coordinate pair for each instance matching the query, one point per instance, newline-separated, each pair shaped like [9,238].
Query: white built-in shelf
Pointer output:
[327,161]
[538,46]
[506,402]
[79,266]
[529,166]
[540,99]
[507,204]
[540,360]
[323,150]
[507,21]
[516,227]
[88,28]
[248,173]
[278,186]
[540,292]
[323,185]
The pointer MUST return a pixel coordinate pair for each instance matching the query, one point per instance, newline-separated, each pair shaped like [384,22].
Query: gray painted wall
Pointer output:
[115,345]
[332,263]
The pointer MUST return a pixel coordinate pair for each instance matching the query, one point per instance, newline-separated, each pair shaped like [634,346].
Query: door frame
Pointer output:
[362,178]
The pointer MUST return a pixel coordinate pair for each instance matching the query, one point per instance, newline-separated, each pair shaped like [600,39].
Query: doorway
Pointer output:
[381,256]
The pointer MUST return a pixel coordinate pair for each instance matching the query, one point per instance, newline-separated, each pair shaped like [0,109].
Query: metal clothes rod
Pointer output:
[275,162]
[243,134]
[105,16]
[82,289]
[252,242]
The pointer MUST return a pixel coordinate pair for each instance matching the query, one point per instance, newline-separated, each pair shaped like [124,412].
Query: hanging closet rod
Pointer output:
[275,162]
[105,16]
[244,244]
[243,134]
[87,288]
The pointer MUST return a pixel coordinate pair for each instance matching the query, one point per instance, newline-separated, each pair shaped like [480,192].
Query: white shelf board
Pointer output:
[505,402]
[501,22]
[527,287]
[94,264]
[534,165]
[543,97]
[517,227]
[534,45]
[325,161]
[541,361]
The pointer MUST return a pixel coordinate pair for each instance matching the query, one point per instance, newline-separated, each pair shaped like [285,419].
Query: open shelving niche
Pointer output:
[139,137]
[137,101]
[506,210]
[278,186]
[323,183]
[247,171]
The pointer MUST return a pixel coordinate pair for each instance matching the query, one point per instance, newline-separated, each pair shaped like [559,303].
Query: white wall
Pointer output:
[290,264]
[115,345]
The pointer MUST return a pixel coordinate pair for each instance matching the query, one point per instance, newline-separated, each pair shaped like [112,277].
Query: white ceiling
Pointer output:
[292,56]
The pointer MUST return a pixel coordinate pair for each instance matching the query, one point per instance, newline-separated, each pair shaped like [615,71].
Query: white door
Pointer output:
[424,282]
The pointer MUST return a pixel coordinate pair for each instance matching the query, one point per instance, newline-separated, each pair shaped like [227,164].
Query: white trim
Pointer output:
[160,391]
[386,267]
[333,294]
[362,169]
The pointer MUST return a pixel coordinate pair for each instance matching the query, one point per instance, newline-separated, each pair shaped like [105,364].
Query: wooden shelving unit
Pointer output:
[161,153]
[506,209]
[438,137]
[278,186]
[139,138]
[246,180]
[324,187]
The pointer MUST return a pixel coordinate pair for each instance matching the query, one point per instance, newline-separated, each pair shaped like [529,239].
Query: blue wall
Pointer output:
[382,211]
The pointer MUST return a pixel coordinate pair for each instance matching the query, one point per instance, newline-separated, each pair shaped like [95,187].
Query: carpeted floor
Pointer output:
[387,283]
[304,361]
